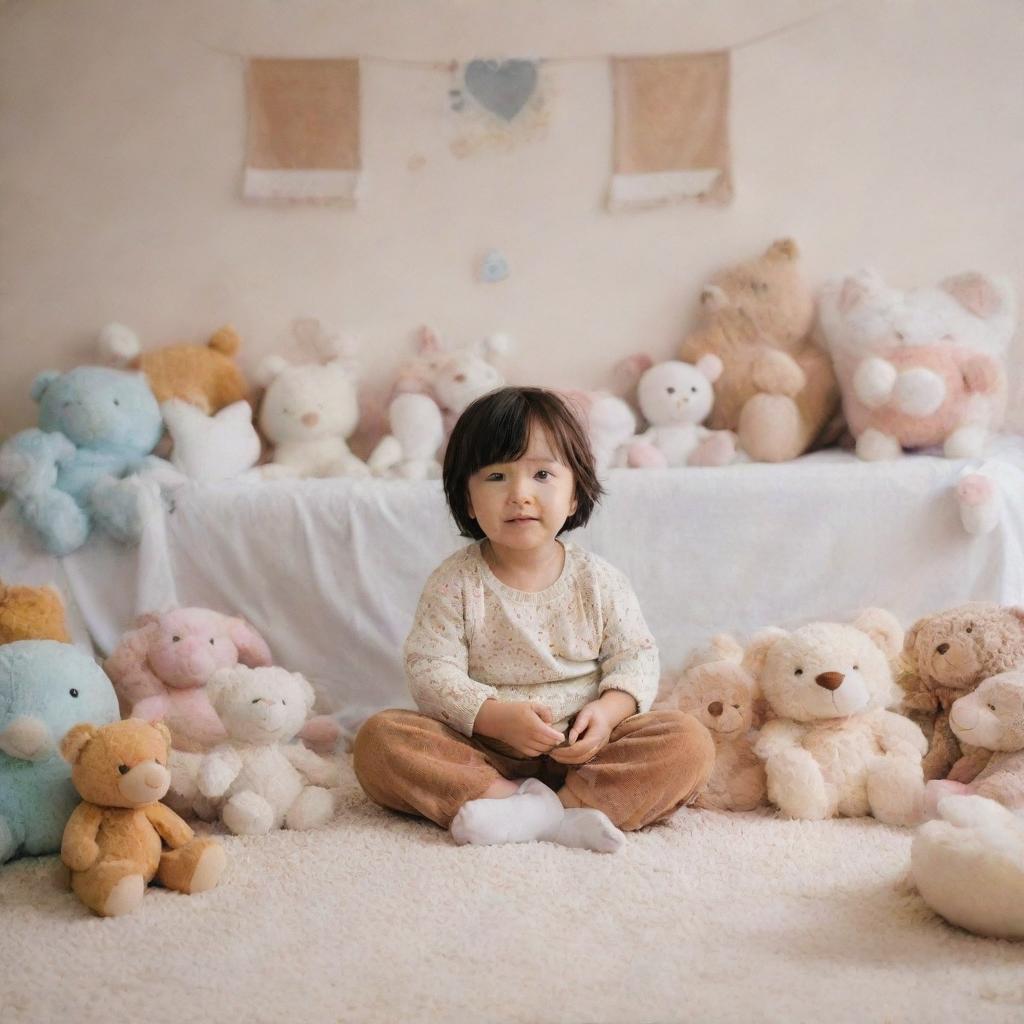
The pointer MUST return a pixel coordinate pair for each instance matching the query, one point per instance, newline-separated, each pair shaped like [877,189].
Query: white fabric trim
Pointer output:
[310,185]
[654,189]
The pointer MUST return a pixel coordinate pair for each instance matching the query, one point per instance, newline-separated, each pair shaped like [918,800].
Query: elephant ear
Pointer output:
[252,648]
[883,628]
[42,382]
[75,740]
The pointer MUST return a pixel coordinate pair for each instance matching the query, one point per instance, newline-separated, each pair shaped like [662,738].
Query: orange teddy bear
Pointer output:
[113,842]
[31,613]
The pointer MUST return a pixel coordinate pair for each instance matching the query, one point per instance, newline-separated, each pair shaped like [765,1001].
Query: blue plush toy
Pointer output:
[96,425]
[46,687]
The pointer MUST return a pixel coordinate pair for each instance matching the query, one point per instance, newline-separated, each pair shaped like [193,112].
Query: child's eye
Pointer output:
[495,476]
[542,474]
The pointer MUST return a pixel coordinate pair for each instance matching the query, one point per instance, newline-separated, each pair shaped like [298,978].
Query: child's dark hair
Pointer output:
[496,428]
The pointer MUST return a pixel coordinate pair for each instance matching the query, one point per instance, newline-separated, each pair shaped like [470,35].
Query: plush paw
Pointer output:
[873,382]
[313,808]
[874,446]
[248,814]
[796,785]
[719,449]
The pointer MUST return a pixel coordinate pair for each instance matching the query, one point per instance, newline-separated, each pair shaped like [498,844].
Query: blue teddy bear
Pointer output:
[95,426]
[46,687]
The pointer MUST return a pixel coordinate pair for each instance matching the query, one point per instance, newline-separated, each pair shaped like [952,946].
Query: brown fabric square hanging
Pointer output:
[303,130]
[671,130]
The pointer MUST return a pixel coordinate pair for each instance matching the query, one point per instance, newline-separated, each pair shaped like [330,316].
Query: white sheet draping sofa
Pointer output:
[330,570]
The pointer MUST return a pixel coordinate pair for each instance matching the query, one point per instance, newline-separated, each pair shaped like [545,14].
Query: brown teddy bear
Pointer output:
[778,391]
[113,842]
[31,613]
[720,692]
[945,657]
[206,376]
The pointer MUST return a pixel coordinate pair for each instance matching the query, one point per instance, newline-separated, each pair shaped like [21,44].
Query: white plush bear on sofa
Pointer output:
[833,749]
[265,782]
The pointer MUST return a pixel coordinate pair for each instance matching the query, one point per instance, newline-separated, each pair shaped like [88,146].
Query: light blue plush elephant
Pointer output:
[96,425]
[46,687]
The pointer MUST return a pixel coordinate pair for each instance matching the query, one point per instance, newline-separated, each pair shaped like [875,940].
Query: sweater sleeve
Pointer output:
[437,657]
[628,655]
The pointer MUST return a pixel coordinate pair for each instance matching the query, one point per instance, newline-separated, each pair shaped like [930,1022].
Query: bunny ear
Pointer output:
[270,368]
[977,293]
[427,341]
[495,345]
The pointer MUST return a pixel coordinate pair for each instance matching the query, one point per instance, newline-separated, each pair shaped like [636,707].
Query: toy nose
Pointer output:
[830,680]
[310,419]
[715,708]
[942,648]
[460,378]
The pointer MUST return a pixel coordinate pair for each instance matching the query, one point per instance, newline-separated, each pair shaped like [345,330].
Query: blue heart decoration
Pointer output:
[502,88]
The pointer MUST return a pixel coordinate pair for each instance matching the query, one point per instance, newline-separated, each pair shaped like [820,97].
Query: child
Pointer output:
[529,658]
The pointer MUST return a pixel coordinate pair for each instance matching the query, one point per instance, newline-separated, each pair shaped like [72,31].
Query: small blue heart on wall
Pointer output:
[493,267]
[503,87]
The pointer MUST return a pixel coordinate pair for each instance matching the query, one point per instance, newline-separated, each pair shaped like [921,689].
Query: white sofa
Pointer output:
[330,570]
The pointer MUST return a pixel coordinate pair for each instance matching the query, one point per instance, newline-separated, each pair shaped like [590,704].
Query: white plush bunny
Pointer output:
[410,450]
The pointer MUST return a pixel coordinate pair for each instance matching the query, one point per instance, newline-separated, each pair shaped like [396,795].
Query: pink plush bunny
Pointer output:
[160,668]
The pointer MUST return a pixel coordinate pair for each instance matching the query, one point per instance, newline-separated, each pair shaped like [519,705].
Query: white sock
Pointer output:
[588,829]
[534,812]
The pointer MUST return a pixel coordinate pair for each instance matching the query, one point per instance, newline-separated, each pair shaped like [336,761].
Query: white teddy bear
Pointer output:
[675,399]
[991,718]
[264,782]
[309,411]
[833,748]
[409,452]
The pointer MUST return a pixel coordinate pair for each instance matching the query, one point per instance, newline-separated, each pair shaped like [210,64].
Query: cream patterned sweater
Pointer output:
[475,638]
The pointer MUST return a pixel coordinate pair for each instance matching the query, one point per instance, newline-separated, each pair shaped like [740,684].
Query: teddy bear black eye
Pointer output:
[970,629]
[284,703]
[73,692]
[671,391]
[736,706]
[175,639]
[255,700]
[799,672]
[123,769]
[211,641]
[856,668]
[991,707]
[694,390]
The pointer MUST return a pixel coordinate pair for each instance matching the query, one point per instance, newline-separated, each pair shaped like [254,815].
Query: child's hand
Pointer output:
[593,727]
[523,725]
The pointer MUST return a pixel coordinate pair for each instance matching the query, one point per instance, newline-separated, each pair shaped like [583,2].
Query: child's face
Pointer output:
[523,504]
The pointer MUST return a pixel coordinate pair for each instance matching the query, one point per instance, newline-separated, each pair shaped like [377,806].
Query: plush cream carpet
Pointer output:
[709,917]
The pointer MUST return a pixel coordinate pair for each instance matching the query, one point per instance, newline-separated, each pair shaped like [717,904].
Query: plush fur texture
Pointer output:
[308,413]
[211,447]
[205,376]
[778,392]
[114,841]
[945,656]
[923,367]
[833,749]
[991,720]
[95,426]
[262,782]
[969,866]
[32,613]
[45,688]
[409,452]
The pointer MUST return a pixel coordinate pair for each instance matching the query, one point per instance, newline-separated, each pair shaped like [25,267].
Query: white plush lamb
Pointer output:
[264,782]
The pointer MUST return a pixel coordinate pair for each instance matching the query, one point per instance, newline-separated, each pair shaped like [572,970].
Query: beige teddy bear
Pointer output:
[833,748]
[720,692]
[991,720]
[945,656]
[778,391]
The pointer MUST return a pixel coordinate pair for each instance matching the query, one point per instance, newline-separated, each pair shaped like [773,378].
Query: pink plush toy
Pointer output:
[160,668]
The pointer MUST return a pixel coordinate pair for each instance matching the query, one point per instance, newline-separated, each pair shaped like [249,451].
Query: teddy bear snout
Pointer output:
[145,782]
[830,680]
[715,708]
[310,419]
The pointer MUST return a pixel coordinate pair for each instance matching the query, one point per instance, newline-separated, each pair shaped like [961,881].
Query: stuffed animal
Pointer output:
[308,413]
[945,656]
[833,749]
[920,368]
[675,399]
[263,782]
[96,425]
[777,391]
[969,866]
[718,690]
[211,448]
[409,452]
[45,688]
[31,613]
[991,720]
[114,841]
[205,376]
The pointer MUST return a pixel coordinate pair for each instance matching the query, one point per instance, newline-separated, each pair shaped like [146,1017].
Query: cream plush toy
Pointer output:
[675,399]
[718,690]
[215,447]
[409,452]
[833,749]
[308,413]
[969,866]
[992,719]
[261,780]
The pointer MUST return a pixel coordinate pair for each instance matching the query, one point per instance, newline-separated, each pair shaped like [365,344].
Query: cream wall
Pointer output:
[884,132]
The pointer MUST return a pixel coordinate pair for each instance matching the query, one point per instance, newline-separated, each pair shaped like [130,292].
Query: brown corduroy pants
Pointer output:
[653,764]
